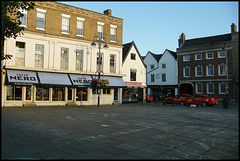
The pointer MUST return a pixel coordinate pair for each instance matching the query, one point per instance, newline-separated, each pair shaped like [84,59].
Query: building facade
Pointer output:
[134,69]
[162,73]
[53,63]
[209,66]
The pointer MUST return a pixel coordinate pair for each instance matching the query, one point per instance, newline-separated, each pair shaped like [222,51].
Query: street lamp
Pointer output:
[100,41]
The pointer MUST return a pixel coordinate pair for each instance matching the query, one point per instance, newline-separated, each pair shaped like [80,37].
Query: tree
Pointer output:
[10,17]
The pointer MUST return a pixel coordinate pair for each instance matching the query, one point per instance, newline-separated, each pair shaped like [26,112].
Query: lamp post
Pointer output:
[100,41]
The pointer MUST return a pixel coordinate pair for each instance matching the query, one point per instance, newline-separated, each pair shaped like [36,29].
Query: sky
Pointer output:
[156,25]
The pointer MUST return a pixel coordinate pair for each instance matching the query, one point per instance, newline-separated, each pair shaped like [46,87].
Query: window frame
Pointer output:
[113,28]
[184,71]
[208,85]
[80,20]
[196,71]
[196,56]
[207,56]
[207,69]
[67,25]
[38,22]
[186,56]
[42,55]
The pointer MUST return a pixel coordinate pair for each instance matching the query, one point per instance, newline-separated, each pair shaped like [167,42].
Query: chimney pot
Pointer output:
[108,12]
[233,28]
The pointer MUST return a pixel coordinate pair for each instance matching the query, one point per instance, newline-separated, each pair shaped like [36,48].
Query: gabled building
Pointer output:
[134,69]
[209,65]
[53,63]
[162,73]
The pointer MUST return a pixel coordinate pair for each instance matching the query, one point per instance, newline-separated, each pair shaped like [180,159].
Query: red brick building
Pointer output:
[209,65]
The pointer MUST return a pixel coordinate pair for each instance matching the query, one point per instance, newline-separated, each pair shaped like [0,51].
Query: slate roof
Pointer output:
[159,56]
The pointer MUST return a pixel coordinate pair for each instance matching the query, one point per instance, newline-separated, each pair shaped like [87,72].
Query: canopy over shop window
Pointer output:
[115,81]
[54,79]
[18,76]
[81,80]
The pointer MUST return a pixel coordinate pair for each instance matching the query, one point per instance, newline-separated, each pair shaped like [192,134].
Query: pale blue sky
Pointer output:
[157,25]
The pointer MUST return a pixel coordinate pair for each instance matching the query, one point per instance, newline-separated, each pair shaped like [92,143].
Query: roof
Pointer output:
[159,56]
[126,49]
[174,54]
[207,40]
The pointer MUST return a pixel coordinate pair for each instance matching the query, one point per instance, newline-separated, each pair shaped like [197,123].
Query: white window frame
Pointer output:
[184,71]
[62,64]
[207,69]
[220,88]
[79,67]
[207,56]
[113,28]
[197,88]
[186,56]
[80,20]
[220,72]
[220,56]
[210,92]
[42,54]
[196,71]
[112,69]
[100,24]
[67,17]
[152,78]
[41,11]
[196,57]
[164,65]
[24,12]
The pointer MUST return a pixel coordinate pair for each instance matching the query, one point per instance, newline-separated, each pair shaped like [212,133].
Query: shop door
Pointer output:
[115,94]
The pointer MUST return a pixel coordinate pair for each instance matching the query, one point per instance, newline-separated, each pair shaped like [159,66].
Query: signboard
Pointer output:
[81,80]
[26,77]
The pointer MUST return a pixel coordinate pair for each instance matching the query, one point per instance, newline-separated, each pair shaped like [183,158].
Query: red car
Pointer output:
[204,100]
[149,98]
[179,99]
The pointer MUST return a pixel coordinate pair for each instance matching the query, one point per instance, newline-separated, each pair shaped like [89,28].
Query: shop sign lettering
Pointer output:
[21,77]
[81,80]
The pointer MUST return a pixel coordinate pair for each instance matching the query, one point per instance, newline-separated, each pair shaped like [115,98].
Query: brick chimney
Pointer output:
[108,12]
[181,40]
[233,28]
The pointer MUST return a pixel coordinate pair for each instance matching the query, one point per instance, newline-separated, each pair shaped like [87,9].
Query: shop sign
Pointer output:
[133,83]
[21,77]
[81,80]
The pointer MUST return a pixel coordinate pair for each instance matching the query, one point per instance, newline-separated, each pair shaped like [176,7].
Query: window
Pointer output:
[20,54]
[79,60]
[133,56]
[14,93]
[186,58]
[198,71]
[65,24]
[209,55]
[58,94]
[40,19]
[152,78]
[198,57]
[186,71]
[210,88]
[82,93]
[23,19]
[113,31]
[222,88]
[106,91]
[28,92]
[199,88]
[100,62]
[133,74]
[39,49]
[112,63]
[42,93]
[164,77]
[163,65]
[80,26]
[210,70]
[64,59]
[221,54]
[222,70]
[100,30]
[152,66]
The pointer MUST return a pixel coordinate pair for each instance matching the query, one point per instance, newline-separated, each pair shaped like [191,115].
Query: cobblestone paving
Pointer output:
[133,131]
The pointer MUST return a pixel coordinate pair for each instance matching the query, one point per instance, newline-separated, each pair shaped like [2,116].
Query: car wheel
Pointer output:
[204,104]
[182,103]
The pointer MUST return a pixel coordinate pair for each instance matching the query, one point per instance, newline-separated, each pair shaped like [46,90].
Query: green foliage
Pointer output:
[10,17]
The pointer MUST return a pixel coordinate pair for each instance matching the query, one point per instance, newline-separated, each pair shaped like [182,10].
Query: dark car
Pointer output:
[178,99]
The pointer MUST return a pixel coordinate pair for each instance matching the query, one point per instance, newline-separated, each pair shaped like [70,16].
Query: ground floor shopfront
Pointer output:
[134,93]
[167,90]
[29,88]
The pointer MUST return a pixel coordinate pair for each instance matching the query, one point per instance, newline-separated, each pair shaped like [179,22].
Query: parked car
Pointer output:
[204,100]
[149,98]
[179,99]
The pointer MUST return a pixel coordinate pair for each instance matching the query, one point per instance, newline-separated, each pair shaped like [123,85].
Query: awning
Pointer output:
[81,80]
[135,85]
[22,77]
[115,81]
[53,79]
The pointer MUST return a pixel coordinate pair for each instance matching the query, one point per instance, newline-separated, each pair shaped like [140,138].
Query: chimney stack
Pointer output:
[233,28]
[108,12]
[181,40]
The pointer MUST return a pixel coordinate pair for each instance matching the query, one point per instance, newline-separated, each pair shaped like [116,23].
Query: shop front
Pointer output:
[34,88]
[134,93]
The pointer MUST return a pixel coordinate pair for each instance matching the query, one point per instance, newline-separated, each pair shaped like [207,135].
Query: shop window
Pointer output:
[58,94]
[28,93]
[42,93]
[106,91]
[14,93]
[81,94]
